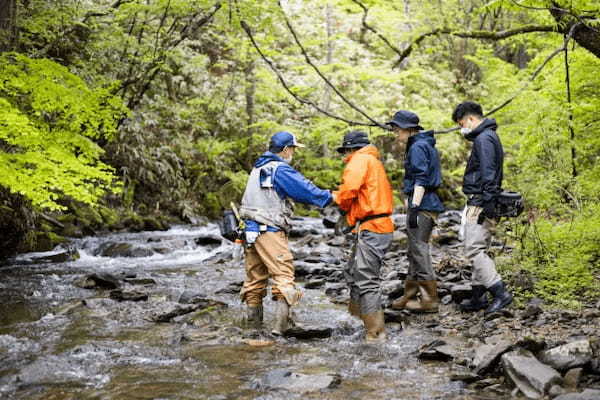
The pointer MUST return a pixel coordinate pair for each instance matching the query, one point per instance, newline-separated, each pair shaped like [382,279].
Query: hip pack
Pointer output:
[509,204]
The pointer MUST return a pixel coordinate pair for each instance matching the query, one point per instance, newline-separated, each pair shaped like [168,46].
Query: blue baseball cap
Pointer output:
[284,139]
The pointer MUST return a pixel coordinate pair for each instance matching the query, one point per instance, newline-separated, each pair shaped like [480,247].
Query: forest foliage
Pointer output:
[169,102]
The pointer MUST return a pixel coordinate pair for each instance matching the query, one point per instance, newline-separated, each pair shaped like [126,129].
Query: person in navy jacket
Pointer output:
[267,210]
[422,177]
[482,183]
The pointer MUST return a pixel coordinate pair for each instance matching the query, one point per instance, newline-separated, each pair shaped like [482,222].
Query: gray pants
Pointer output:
[419,257]
[362,272]
[477,241]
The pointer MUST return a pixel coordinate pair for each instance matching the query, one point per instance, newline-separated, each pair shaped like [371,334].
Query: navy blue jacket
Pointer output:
[290,183]
[422,168]
[483,175]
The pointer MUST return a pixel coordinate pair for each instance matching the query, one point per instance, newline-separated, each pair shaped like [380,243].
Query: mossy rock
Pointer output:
[133,222]
[88,216]
[111,218]
[46,241]
[71,230]
[154,223]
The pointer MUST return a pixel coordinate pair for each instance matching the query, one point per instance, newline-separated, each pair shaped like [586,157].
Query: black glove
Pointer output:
[412,215]
[489,211]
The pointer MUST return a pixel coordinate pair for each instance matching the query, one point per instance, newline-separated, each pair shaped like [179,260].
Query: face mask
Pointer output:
[465,131]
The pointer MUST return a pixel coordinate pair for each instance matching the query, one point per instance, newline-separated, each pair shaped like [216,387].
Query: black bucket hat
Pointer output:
[354,140]
[405,120]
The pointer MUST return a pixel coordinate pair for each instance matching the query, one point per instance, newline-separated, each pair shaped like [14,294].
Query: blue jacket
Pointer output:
[289,183]
[483,174]
[422,168]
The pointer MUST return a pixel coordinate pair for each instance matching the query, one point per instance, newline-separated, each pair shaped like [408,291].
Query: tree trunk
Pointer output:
[585,36]
[8,24]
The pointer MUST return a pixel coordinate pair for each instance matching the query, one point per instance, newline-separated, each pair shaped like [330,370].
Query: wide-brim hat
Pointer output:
[406,120]
[354,140]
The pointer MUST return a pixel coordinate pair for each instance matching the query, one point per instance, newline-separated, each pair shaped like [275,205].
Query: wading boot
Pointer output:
[375,327]
[501,299]
[478,300]
[282,315]
[410,291]
[429,302]
[354,308]
[254,317]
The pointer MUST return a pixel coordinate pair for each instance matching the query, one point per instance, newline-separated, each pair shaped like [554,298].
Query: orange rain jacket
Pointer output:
[366,190]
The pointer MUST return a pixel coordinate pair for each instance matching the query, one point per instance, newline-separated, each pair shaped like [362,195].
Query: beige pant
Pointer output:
[269,256]
[477,241]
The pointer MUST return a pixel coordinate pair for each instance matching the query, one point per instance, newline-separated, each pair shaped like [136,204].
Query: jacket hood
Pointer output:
[267,157]
[488,123]
[423,135]
[368,149]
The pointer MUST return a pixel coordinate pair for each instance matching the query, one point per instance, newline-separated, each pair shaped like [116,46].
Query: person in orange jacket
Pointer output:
[365,196]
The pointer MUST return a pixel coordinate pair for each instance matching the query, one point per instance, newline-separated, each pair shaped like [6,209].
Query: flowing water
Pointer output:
[60,341]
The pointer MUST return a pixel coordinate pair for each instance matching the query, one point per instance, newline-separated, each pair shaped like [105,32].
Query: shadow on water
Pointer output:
[54,346]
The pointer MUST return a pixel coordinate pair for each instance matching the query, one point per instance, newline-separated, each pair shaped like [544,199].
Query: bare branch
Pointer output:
[490,35]
[370,28]
[302,100]
[323,77]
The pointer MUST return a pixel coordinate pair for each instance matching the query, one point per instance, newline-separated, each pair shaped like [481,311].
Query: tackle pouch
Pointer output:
[229,226]
[509,204]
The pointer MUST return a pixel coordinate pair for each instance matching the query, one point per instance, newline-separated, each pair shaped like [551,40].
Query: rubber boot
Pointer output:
[410,291]
[375,327]
[282,315]
[354,308]
[478,300]
[254,317]
[502,298]
[429,302]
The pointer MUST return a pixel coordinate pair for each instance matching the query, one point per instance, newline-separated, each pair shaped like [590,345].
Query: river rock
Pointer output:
[114,249]
[140,280]
[314,284]
[295,382]
[572,378]
[398,316]
[208,240]
[232,288]
[308,332]
[99,280]
[437,350]
[165,312]
[128,295]
[570,355]
[392,289]
[200,300]
[487,356]
[588,394]
[533,378]
[460,292]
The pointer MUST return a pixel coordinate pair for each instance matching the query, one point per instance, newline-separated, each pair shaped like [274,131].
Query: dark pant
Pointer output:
[362,272]
[419,257]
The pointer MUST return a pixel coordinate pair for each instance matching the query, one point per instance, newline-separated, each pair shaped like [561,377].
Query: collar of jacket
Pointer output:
[488,123]
[368,149]
[422,135]
[267,157]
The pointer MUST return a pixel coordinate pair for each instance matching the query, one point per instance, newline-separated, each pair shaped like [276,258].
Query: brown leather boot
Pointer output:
[429,301]
[410,291]
[375,327]
[354,308]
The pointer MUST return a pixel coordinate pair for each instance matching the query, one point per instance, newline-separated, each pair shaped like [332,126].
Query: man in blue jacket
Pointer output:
[267,210]
[422,176]
[482,182]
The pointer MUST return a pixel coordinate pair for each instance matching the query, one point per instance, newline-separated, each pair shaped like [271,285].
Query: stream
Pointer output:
[170,325]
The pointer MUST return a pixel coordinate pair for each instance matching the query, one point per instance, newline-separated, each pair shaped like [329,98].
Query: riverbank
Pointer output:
[156,314]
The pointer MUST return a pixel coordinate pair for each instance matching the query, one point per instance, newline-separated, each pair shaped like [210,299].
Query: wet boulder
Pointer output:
[295,382]
[487,356]
[437,350]
[231,288]
[208,240]
[393,289]
[122,249]
[128,295]
[309,332]
[588,394]
[570,355]
[397,316]
[99,280]
[533,378]
[165,312]
[314,283]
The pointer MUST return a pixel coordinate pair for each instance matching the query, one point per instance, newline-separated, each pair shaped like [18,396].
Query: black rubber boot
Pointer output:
[502,298]
[478,300]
